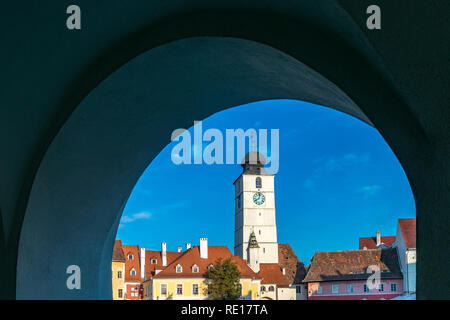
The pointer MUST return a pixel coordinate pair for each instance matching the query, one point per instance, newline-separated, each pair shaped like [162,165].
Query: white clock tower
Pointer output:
[255,213]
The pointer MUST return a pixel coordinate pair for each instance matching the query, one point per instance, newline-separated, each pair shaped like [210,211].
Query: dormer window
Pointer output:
[178,269]
[154,261]
[130,256]
[195,268]
[133,272]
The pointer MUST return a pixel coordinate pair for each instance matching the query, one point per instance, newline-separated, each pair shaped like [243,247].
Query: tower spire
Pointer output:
[253,242]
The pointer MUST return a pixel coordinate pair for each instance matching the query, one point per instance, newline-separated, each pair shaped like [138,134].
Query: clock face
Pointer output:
[258,198]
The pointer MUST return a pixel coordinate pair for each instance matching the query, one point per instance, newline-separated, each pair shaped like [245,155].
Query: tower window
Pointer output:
[258,183]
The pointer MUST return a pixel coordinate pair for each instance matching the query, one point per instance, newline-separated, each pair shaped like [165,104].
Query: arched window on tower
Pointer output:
[258,183]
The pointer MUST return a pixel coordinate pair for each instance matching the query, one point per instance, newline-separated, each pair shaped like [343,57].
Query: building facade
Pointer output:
[255,210]
[405,243]
[186,278]
[118,272]
[344,275]
[255,234]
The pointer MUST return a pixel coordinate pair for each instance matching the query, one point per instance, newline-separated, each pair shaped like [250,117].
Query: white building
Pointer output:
[405,242]
[255,234]
[255,210]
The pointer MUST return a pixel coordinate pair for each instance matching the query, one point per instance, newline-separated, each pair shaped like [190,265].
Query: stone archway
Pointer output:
[32,180]
[126,121]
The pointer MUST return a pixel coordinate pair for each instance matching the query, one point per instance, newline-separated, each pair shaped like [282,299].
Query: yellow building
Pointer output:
[185,278]
[118,272]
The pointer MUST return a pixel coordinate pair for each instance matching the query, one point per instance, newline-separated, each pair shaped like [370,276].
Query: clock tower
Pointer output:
[255,212]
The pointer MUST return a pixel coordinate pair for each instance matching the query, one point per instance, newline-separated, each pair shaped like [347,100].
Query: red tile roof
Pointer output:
[118,254]
[133,263]
[371,242]
[192,257]
[295,270]
[271,273]
[352,265]
[408,228]
[150,269]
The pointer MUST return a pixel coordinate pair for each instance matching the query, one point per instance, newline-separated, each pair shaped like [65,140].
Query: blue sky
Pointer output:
[338,180]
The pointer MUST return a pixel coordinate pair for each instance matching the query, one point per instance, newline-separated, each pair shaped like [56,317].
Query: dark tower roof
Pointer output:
[253,163]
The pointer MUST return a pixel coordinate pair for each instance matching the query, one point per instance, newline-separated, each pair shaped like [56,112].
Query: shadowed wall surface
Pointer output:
[61,195]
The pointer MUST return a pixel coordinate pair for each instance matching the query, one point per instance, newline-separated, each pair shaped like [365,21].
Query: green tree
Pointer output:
[224,280]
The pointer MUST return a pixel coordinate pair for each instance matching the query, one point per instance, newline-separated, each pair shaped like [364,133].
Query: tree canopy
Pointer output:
[224,280]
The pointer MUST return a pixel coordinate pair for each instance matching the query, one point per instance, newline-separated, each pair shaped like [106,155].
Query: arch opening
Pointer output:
[88,191]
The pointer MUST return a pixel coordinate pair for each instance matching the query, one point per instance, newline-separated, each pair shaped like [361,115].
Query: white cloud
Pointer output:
[134,217]
[369,190]
[334,163]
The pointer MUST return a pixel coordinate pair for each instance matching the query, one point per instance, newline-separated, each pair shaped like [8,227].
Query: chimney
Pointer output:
[179,249]
[378,238]
[188,246]
[142,256]
[164,253]
[203,248]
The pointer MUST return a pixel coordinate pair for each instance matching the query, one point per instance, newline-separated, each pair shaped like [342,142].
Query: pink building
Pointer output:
[343,275]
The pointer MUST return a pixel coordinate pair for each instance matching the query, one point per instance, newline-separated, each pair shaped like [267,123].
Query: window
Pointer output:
[179,289]
[319,289]
[119,274]
[134,291]
[239,204]
[381,287]
[179,269]
[393,287]
[271,288]
[263,288]
[241,289]
[334,288]
[298,289]
[258,183]
[194,268]
[120,293]
[366,288]
[350,288]
[154,261]
[264,250]
[163,289]
[133,272]
[130,256]
[210,266]
[195,289]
